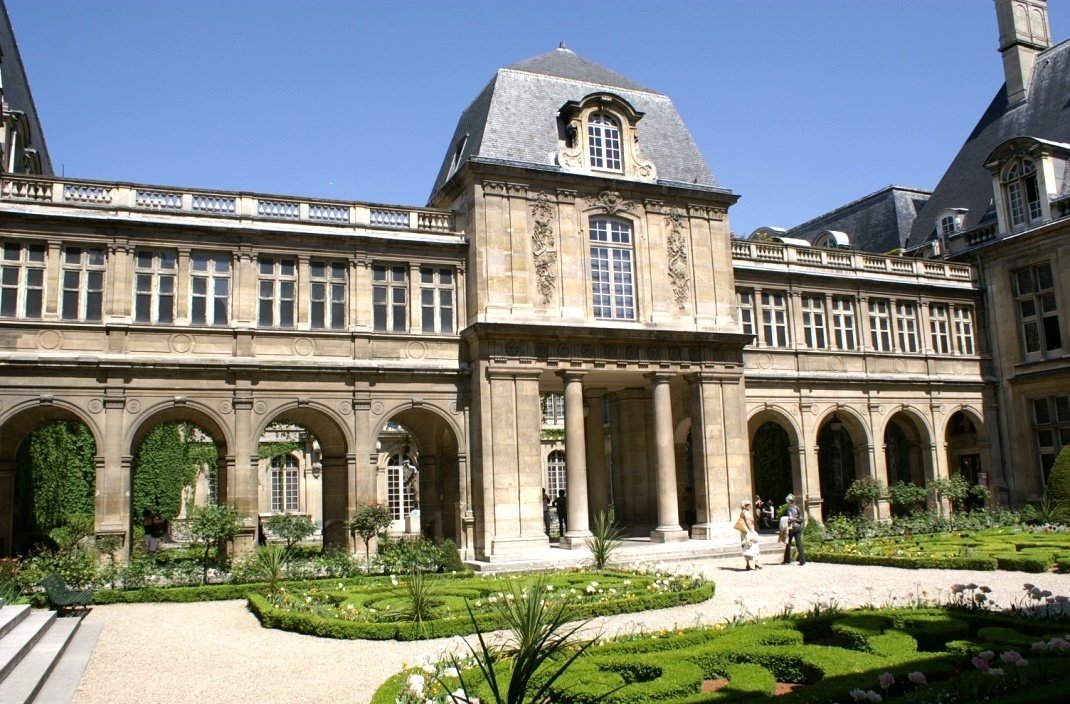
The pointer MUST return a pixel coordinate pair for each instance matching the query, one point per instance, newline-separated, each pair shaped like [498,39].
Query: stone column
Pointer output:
[575,462]
[668,529]
[114,471]
[597,476]
[7,504]
[242,486]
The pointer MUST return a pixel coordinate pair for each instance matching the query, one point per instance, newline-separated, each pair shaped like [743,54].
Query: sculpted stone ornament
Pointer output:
[544,246]
[676,244]
[612,202]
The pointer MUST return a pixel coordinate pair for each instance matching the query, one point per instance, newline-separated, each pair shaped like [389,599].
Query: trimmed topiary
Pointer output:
[1059,479]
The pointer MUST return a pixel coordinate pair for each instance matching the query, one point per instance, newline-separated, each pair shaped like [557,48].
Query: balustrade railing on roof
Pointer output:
[848,259]
[74,193]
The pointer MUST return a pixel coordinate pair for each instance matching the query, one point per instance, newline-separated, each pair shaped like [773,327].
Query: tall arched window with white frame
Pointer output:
[401,485]
[285,474]
[555,473]
[612,273]
[603,142]
[1022,193]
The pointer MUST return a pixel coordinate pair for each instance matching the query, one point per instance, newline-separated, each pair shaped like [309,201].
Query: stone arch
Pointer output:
[326,477]
[844,453]
[906,447]
[774,439]
[444,501]
[16,424]
[170,411]
[966,443]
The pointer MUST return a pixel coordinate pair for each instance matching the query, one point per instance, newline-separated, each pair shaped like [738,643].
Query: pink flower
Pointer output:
[917,678]
[859,695]
[1010,656]
[980,663]
[886,680]
[987,654]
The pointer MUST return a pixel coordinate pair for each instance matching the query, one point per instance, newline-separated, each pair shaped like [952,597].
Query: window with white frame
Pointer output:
[555,473]
[390,297]
[400,489]
[83,283]
[22,280]
[745,304]
[813,319]
[436,299]
[553,409]
[327,295]
[774,319]
[603,142]
[1038,309]
[209,288]
[938,328]
[1051,428]
[843,322]
[963,320]
[155,274]
[1022,192]
[948,225]
[906,326]
[285,480]
[277,292]
[612,276]
[880,325]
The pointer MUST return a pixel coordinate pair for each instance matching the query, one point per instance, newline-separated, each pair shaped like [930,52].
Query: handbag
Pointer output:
[741,525]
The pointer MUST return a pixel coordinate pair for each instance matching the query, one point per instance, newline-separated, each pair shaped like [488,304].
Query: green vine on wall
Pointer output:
[271,450]
[169,459]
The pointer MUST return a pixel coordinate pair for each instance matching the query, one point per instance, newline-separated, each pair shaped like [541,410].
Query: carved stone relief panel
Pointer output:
[677,246]
[544,245]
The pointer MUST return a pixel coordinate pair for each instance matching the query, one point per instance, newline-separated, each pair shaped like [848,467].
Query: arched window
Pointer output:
[1022,192]
[612,275]
[555,472]
[603,142]
[284,483]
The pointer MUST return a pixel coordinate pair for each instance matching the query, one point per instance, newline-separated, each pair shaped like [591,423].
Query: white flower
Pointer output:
[416,684]
[917,677]
[859,695]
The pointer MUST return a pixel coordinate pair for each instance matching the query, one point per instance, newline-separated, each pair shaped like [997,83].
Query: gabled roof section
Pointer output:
[1045,115]
[16,89]
[514,120]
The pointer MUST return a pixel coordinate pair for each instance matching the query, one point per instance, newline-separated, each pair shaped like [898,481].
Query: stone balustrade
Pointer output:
[246,206]
[841,260]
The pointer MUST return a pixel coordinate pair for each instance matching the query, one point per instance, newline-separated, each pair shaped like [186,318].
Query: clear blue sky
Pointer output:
[798,105]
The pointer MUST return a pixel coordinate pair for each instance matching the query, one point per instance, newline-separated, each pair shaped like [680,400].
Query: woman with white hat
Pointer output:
[748,537]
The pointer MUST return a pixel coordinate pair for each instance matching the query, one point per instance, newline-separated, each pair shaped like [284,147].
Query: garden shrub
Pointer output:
[1059,478]
[1023,562]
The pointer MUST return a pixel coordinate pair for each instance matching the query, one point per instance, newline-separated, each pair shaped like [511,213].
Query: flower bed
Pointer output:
[382,609]
[1016,549]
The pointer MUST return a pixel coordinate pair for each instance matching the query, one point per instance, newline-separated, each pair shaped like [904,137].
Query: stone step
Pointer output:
[61,684]
[11,616]
[41,651]
[17,642]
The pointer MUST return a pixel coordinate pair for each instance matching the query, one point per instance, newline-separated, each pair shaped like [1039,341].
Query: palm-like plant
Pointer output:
[540,634]
[605,539]
[421,604]
[270,563]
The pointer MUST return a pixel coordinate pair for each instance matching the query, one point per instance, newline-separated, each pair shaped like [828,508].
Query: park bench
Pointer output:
[62,597]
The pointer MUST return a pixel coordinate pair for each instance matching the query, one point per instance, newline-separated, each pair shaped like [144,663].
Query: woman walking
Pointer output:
[748,537]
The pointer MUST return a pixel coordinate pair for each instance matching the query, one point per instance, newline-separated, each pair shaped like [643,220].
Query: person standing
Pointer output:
[561,506]
[748,537]
[547,519]
[795,530]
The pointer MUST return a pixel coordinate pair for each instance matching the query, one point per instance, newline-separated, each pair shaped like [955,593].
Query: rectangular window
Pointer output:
[284,484]
[612,278]
[745,298]
[209,288]
[154,286]
[390,298]
[880,325]
[964,330]
[277,292]
[906,326]
[436,300]
[1051,429]
[843,322]
[813,318]
[1038,309]
[22,280]
[82,296]
[774,319]
[553,409]
[941,340]
[327,295]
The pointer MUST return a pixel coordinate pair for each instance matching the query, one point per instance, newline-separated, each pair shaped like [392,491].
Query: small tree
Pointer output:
[1059,479]
[291,527]
[866,491]
[210,526]
[906,498]
[370,521]
[955,489]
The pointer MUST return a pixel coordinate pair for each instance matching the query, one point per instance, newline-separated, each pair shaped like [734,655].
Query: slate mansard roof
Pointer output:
[514,119]
[1045,114]
[16,88]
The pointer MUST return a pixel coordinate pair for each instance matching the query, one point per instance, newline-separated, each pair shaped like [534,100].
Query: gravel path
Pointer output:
[217,651]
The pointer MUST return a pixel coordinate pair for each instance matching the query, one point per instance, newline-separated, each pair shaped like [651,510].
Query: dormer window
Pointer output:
[599,134]
[1022,192]
[603,142]
[948,225]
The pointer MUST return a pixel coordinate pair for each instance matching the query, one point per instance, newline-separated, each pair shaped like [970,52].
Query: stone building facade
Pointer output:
[576,247]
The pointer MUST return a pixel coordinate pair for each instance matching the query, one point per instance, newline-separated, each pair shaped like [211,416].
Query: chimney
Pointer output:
[1023,33]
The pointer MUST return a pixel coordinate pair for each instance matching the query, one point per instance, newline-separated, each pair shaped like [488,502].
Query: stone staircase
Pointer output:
[42,656]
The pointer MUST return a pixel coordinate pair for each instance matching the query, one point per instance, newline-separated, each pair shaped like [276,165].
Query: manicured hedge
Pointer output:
[983,564]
